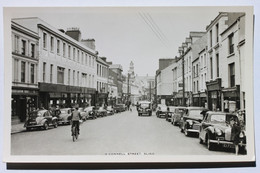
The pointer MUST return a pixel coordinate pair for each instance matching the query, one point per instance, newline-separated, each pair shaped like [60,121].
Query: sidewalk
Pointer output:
[17,126]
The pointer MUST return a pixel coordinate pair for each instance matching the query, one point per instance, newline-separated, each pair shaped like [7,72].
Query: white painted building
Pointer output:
[67,68]
[25,57]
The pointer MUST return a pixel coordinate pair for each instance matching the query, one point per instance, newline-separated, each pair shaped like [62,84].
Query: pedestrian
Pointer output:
[235,131]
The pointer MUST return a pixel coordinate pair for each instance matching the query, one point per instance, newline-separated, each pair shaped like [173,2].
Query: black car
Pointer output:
[145,108]
[119,108]
[191,119]
[215,130]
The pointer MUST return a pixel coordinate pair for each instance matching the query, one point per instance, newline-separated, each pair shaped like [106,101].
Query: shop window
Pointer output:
[23,66]
[231,43]
[60,75]
[32,73]
[232,74]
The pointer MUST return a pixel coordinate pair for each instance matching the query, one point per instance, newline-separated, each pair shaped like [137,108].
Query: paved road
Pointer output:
[120,133]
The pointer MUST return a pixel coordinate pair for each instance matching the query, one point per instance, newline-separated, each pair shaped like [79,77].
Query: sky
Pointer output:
[142,35]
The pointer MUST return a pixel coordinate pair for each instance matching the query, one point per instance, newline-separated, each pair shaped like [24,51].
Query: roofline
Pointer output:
[232,24]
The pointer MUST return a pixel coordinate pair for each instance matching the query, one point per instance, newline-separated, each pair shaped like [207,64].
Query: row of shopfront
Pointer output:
[24,100]
[215,98]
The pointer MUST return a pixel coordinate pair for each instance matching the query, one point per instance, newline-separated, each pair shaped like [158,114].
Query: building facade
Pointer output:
[67,68]
[25,57]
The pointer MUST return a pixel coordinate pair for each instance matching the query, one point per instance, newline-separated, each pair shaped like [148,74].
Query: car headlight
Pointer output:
[218,131]
[190,123]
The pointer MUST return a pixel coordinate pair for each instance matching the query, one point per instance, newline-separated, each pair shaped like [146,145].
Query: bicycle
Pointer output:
[75,133]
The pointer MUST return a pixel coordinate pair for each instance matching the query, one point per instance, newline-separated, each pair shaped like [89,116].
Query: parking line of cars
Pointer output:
[212,128]
[43,119]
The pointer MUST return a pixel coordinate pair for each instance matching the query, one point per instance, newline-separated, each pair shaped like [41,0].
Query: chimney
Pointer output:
[62,30]
[104,59]
[90,43]
[74,33]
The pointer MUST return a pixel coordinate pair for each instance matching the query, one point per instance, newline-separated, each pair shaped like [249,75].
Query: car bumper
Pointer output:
[193,131]
[32,126]
[225,142]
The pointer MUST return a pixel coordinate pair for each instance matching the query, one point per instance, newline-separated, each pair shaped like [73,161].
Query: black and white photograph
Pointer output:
[129,84]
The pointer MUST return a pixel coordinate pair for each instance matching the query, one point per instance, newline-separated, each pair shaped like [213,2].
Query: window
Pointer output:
[217,33]
[60,75]
[32,50]
[69,76]
[23,47]
[23,66]
[78,56]
[93,61]
[97,69]
[217,64]
[32,73]
[73,77]
[89,60]
[69,51]
[86,59]
[82,58]
[232,74]
[197,85]
[44,72]
[93,81]
[44,40]
[58,46]
[52,44]
[210,38]
[15,70]
[16,44]
[231,43]
[51,73]
[74,54]
[197,70]
[64,49]
[211,69]
[78,79]
[205,60]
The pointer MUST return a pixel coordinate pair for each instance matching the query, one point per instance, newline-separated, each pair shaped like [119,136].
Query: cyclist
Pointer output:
[75,117]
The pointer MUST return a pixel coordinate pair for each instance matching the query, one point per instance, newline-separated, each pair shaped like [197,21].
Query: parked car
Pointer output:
[119,108]
[161,110]
[191,119]
[169,113]
[90,111]
[145,107]
[215,130]
[110,110]
[40,119]
[83,114]
[101,112]
[177,115]
[64,117]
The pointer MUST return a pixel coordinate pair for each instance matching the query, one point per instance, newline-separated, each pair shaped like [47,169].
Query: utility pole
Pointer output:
[128,87]
[150,91]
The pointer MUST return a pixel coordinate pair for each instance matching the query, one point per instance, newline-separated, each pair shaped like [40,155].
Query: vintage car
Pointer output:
[191,119]
[161,110]
[177,115]
[90,111]
[215,130]
[83,114]
[110,110]
[40,119]
[119,108]
[145,108]
[101,112]
[169,113]
[64,117]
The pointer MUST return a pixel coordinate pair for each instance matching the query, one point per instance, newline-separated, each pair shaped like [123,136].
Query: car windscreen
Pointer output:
[63,111]
[41,113]
[163,108]
[181,111]
[218,118]
[195,113]
[145,105]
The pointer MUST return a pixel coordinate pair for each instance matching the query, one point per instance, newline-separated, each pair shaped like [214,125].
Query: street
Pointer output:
[120,133]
